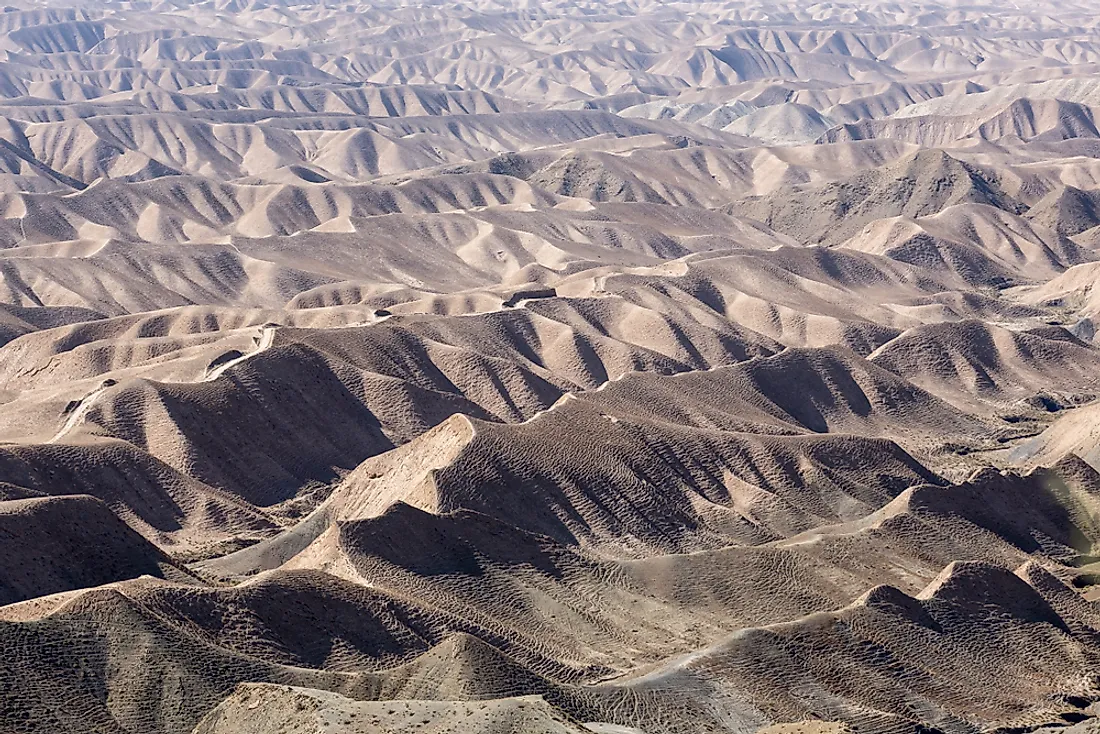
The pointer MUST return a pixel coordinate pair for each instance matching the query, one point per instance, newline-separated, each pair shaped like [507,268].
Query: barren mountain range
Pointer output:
[631,367]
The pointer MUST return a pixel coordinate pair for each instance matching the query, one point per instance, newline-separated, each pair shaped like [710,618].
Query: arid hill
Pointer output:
[560,367]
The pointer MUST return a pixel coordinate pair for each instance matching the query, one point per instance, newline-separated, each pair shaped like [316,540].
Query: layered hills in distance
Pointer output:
[549,367]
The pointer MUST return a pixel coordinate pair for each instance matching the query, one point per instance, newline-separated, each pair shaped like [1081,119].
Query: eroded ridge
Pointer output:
[629,368]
